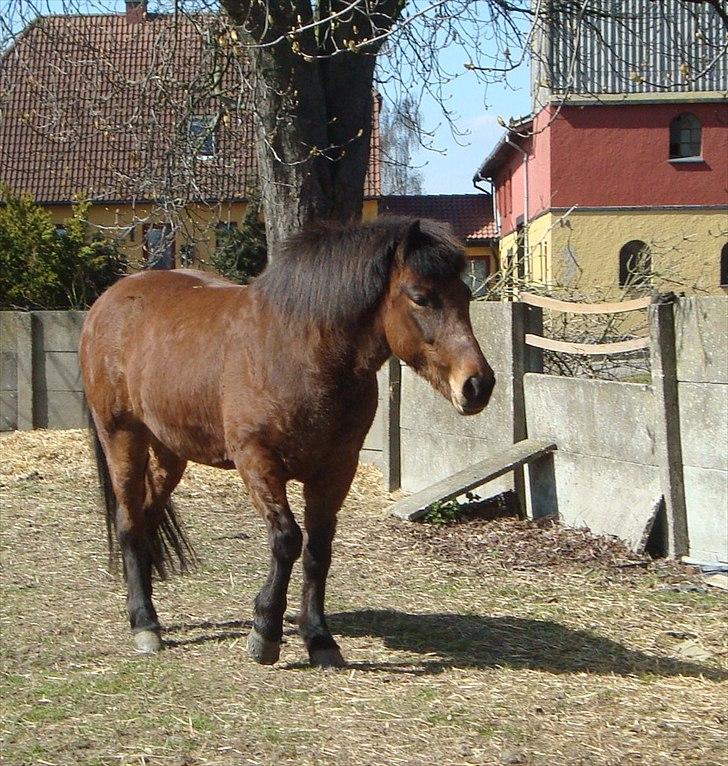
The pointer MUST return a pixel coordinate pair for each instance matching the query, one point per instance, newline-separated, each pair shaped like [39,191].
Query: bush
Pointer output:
[241,252]
[42,269]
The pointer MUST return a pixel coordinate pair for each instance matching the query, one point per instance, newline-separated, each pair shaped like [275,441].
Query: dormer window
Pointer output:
[201,132]
[685,137]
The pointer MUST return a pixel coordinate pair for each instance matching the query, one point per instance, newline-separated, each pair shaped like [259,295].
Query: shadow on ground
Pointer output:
[211,631]
[467,641]
[470,640]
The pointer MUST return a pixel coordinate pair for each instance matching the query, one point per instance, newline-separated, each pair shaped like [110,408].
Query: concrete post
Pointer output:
[25,336]
[668,444]
[524,319]
[391,459]
[542,487]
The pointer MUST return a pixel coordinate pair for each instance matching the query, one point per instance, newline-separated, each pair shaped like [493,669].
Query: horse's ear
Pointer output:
[411,241]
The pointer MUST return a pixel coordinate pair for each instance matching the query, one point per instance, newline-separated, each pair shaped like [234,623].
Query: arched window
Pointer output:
[724,266]
[685,133]
[635,264]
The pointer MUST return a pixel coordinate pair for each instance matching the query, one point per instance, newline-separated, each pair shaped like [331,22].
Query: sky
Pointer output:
[449,168]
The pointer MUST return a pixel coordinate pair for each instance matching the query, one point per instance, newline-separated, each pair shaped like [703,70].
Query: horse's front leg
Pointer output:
[324,497]
[264,478]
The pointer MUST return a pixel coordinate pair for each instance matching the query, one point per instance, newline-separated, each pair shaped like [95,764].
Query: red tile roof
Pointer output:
[471,215]
[99,105]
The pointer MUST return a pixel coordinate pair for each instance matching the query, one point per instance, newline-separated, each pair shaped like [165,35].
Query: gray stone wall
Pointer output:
[605,466]
[610,464]
[701,340]
[613,462]
[383,437]
[41,382]
[435,440]
[8,371]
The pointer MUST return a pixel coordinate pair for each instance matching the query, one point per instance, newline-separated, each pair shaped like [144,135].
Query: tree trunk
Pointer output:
[348,85]
[290,127]
[313,113]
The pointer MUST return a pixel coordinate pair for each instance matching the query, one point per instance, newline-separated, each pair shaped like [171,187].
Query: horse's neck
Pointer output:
[371,354]
[359,353]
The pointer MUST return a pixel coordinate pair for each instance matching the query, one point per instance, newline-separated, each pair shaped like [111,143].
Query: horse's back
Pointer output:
[156,285]
[152,347]
[154,304]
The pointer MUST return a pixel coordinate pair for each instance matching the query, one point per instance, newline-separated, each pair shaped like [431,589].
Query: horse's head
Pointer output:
[426,317]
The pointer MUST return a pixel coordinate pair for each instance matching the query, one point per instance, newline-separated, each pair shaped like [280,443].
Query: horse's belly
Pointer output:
[189,436]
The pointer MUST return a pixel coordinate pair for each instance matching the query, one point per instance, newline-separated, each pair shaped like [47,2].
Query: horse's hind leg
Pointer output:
[324,498]
[164,471]
[142,488]
[264,478]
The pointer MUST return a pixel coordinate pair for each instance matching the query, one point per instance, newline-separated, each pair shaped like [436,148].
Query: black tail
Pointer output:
[169,549]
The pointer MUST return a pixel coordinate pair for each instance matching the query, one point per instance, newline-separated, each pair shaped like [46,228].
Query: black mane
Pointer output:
[335,273]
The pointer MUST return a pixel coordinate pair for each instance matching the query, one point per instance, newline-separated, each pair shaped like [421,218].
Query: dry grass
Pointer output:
[578,661]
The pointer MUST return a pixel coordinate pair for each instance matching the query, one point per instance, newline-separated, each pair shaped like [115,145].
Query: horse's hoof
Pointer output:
[327,659]
[262,650]
[147,641]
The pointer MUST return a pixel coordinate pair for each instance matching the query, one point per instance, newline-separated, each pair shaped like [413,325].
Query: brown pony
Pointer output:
[277,380]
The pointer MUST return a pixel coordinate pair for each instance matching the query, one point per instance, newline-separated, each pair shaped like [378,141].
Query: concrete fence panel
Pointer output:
[611,460]
[605,467]
[436,441]
[8,371]
[59,399]
[374,449]
[600,418]
[701,333]
[701,342]
[41,380]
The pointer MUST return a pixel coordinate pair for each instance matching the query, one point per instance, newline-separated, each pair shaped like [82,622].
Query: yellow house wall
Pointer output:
[685,247]
[126,221]
[371,209]
[580,250]
[537,266]
[196,227]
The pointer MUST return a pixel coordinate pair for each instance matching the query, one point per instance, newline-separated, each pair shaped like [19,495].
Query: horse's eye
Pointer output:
[420,299]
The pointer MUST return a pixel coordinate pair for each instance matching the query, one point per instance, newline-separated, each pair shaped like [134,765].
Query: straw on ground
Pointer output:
[460,652]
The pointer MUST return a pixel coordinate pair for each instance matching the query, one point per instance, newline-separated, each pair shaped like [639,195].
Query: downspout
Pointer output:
[524,154]
[496,220]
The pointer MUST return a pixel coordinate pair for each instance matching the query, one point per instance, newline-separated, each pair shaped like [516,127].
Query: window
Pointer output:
[724,266]
[476,275]
[159,246]
[60,230]
[520,249]
[635,264]
[201,132]
[685,137]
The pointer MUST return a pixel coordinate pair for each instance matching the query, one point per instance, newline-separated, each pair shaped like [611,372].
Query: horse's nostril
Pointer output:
[477,390]
[473,390]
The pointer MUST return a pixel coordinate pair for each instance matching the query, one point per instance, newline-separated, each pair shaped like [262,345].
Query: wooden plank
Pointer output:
[414,506]
[617,307]
[587,349]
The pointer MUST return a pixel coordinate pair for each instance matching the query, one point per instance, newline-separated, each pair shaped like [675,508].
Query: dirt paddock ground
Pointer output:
[482,642]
